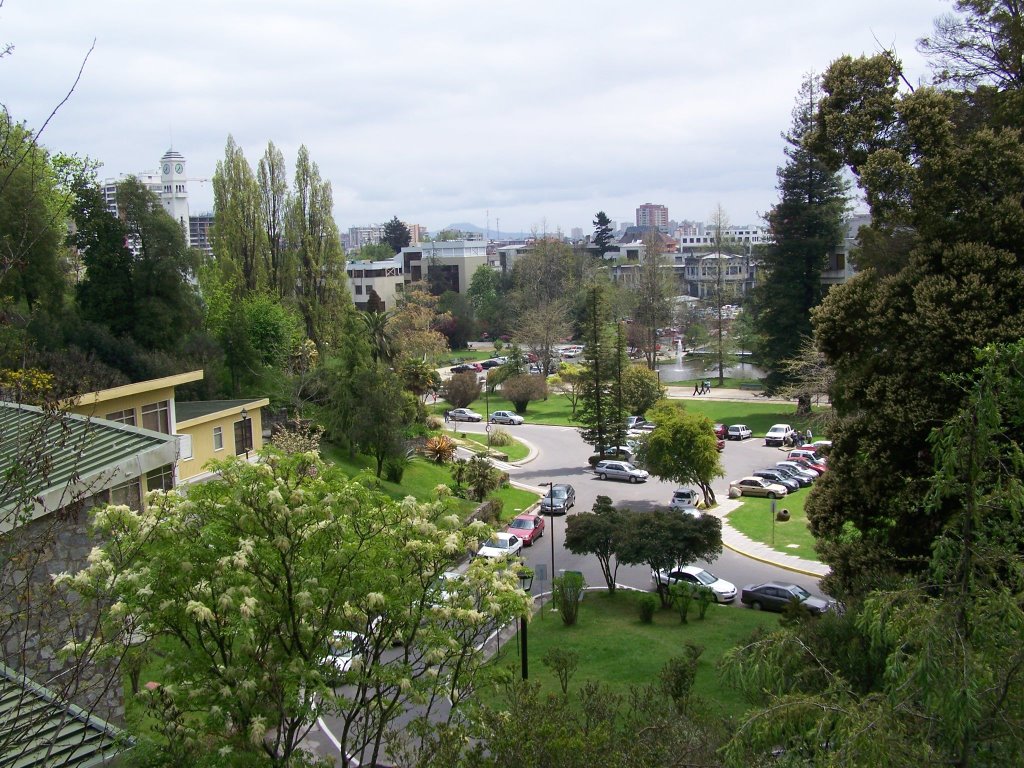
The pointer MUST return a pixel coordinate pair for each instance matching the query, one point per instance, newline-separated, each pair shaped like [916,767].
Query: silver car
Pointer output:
[620,470]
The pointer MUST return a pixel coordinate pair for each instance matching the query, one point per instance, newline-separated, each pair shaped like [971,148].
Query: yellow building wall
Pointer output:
[134,401]
[202,431]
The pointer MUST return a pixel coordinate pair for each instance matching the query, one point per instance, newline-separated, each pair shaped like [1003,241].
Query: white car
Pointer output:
[501,545]
[778,435]
[464,414]
[684,499]
[342,650]
[620,470]
[505,417]
[725,591]
[738,432]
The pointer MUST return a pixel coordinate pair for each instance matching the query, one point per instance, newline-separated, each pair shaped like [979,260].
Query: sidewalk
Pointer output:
[755,550]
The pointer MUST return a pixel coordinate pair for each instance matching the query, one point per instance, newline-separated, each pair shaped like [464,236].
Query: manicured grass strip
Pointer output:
[422,477]
[758,416]
[555,410]
[514,450]
[755,520]
[616,649]
[514,500]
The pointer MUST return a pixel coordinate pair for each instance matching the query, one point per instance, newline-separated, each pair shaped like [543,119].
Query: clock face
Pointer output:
[167,167]
[179,168]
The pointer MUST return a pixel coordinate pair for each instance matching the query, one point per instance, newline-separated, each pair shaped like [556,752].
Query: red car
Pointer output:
[720,445]
[720,431]
[527,527]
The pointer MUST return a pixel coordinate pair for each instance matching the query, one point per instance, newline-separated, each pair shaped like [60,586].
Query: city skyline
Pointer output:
[528,115]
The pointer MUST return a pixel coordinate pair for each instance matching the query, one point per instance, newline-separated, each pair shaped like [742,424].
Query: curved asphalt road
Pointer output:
[562,458]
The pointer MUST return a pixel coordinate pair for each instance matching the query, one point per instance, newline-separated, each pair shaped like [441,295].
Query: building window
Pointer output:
[359,290]
[126,416]
[161,479]
[157,417]
[129,494]
[243,436]
[218,438]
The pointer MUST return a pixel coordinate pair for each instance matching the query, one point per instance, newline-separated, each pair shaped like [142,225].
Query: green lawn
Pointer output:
[759,416]
[422,477]
[616,649]
[514,500]
[514,450]
[554,410]
[754,519]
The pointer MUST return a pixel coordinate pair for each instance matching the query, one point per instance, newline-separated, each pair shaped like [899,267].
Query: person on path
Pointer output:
[698,389]
[706,385]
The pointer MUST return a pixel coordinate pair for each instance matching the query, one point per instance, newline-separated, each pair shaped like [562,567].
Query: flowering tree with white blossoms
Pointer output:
[242,581]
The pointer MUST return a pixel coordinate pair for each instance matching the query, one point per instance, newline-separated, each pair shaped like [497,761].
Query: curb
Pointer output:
[769,561]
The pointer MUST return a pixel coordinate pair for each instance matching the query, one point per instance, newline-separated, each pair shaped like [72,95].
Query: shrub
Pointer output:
[461,389]
[523,388]
[434,421]
[678,674]
[500,437]
[480,476]
[568,591]
[682,598]
[648,604]
[439,449]
[394,468]
[563,663]
[705,597]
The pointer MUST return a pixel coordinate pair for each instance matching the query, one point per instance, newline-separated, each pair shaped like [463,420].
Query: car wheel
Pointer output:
[632,479]
[603,476]
[756,605]
[771,494]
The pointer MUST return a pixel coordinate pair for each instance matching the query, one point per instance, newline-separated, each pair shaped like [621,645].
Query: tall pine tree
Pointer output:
[806,225]
[605,361]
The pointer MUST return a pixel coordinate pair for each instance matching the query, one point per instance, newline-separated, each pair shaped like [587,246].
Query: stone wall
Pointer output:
[37,621]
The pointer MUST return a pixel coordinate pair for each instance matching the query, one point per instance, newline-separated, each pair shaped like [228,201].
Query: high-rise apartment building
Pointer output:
[651,215]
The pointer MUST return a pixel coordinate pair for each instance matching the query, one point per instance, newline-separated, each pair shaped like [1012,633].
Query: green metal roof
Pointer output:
[38,730]
[199,408]
[62,457]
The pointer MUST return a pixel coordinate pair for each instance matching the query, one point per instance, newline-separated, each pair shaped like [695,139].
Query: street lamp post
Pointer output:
[245,431]
[526,582]
[551,509]
[487,414]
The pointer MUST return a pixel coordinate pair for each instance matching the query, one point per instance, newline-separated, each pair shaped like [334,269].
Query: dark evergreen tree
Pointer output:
[605,361]
[806,225]
[396,235]
[166,305]
[105,295]
[943,180]
[602,233]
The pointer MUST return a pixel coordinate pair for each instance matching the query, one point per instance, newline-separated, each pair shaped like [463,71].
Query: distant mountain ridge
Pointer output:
[467,227]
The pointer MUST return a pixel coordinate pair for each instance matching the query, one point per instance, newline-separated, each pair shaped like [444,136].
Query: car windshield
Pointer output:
[558,493]
[521,522]
[628,467]
[705,578]
[800,592]
[498,543]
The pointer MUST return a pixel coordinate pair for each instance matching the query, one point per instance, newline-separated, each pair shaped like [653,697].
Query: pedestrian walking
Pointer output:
[706,385]
[698,389]
[446,416]
[810,436]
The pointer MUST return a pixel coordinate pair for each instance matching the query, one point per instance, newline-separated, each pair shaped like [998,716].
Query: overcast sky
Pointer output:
[440,111]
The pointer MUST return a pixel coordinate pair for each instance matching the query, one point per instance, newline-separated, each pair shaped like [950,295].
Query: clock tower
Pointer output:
[174,188]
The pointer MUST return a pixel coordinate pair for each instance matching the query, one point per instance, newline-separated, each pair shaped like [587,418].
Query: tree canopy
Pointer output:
[245,581]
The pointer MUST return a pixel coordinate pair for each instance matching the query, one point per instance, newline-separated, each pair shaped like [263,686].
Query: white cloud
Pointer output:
[440,111]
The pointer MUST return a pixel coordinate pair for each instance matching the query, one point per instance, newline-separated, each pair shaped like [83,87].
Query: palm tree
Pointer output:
[382,340]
